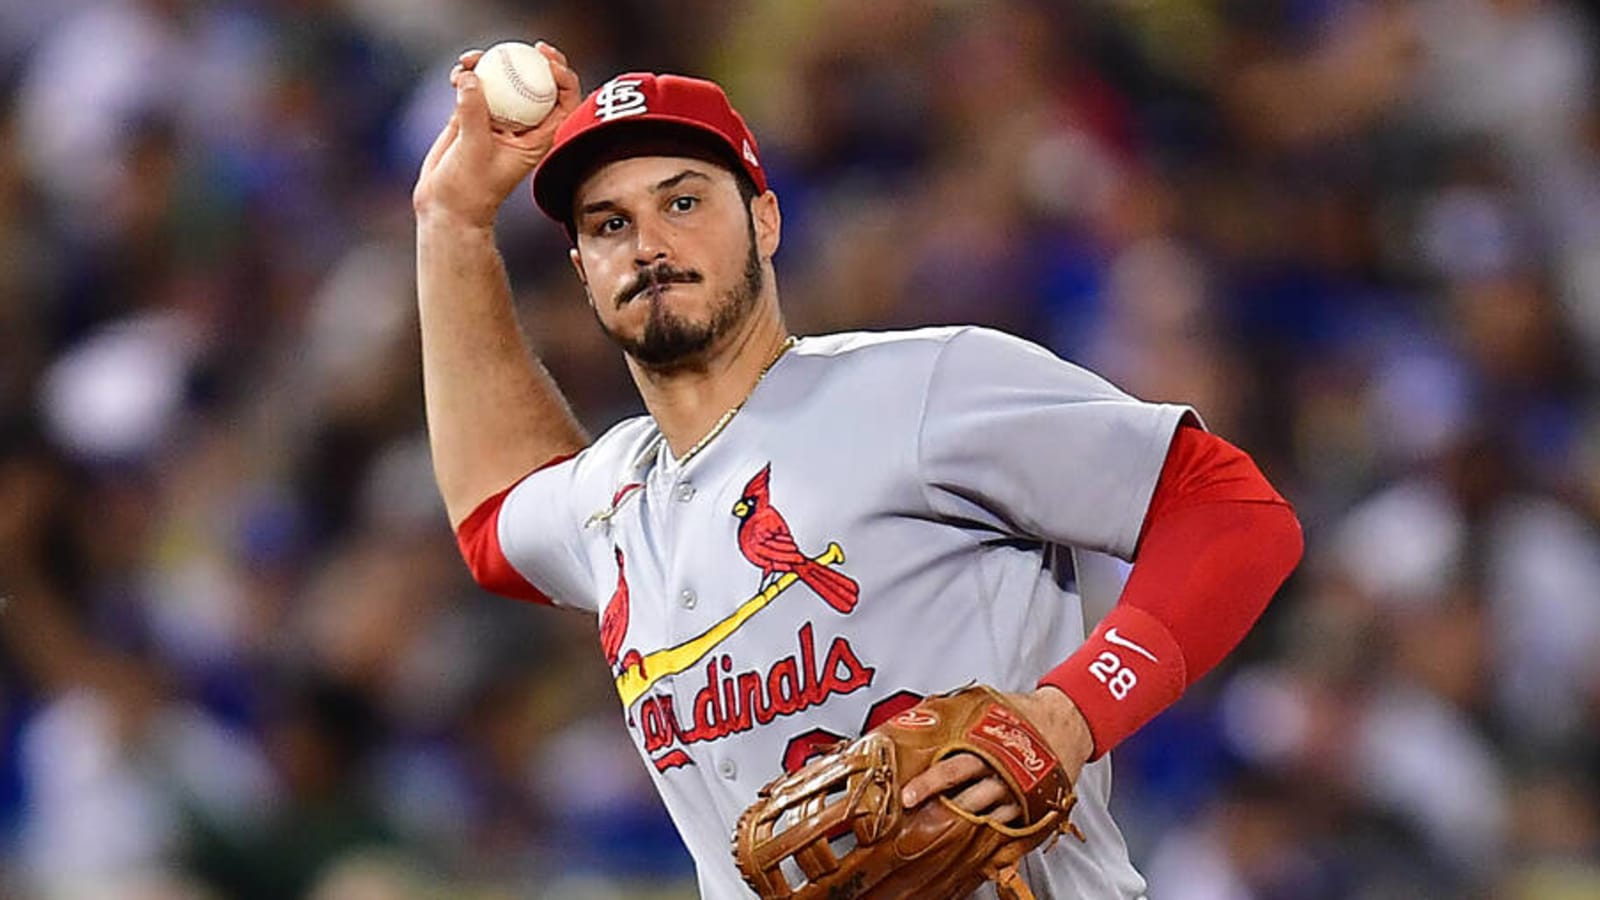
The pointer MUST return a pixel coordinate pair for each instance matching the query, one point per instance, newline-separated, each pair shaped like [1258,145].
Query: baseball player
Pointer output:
[806,536]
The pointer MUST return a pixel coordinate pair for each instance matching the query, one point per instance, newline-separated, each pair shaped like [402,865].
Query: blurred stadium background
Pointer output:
[241,659]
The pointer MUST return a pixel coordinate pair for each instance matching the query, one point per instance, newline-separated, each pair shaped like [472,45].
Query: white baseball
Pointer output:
[517,83]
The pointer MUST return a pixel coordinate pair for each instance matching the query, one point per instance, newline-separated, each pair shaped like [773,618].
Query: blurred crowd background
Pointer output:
[239,657]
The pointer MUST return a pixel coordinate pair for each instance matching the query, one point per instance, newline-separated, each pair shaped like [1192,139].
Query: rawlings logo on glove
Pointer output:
[1015,739]
[836,828]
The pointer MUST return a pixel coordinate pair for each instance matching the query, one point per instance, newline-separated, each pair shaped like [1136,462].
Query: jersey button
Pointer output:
[727,768]
[685,492]
[687,598]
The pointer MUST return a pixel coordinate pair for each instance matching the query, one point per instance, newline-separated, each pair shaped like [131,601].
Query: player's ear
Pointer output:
[577,266]
[768,220]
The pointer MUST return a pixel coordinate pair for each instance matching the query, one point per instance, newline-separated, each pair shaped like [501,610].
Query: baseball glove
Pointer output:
[836,827]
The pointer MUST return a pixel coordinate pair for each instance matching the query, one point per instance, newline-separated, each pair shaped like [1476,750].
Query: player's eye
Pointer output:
[610,225]
[684,203]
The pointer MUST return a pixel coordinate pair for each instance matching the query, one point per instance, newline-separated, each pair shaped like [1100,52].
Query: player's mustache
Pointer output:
[664,273]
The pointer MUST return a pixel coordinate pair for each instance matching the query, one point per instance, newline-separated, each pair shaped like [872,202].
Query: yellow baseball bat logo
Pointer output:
[633,682]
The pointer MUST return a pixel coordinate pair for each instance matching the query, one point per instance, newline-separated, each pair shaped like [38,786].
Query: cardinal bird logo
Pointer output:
[765,540]
[614,621]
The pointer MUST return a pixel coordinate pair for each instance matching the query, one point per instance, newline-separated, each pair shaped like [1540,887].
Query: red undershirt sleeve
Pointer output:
[1217,543]
[478,537]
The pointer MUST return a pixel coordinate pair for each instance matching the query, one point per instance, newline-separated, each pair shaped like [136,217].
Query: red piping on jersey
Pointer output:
[1216,544]
[478,536]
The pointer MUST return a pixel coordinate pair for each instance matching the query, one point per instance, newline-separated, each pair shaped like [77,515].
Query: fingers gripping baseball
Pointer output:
[473,165]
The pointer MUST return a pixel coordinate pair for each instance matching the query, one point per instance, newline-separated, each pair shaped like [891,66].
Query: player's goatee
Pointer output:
[669,339]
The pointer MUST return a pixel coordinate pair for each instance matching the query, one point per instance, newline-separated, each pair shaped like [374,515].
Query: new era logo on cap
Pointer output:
[627,103]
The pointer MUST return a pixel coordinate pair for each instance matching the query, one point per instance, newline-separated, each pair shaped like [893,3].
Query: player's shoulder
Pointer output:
[908,345]
[626,432]
[621,447]
[627,438]
[959,364]
[928,345]
[868,344]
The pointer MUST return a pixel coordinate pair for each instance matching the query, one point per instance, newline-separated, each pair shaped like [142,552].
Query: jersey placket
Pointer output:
[680,496]
[671,495]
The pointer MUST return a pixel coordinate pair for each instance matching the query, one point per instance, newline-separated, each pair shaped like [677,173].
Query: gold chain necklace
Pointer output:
[604,516]
[727,417]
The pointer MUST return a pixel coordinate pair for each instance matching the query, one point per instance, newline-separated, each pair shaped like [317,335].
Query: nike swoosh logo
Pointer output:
[1120,641]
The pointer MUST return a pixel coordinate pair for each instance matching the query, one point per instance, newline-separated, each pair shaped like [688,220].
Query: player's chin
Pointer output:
[670,342]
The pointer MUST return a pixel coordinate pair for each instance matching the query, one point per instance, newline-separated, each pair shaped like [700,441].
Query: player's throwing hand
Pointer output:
[472,167]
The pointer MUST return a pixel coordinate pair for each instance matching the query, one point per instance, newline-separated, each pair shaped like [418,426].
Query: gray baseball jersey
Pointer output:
[889,516]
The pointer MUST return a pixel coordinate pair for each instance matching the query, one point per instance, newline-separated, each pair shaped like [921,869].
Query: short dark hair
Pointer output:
[747,186]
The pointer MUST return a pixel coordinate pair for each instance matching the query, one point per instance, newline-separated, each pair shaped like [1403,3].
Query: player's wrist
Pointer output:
[1061,724]
[467,201]
[1125,673]
[438,221]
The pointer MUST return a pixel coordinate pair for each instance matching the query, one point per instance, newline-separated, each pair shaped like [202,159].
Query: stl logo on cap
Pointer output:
[635,97]
[619,97]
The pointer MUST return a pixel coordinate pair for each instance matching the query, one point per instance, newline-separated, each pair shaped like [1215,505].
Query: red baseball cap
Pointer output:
[645,105]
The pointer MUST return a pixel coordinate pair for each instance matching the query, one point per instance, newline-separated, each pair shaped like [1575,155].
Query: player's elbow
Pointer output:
[1281,533]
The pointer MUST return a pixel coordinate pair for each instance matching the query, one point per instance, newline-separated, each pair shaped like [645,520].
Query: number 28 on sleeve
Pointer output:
[1127,671]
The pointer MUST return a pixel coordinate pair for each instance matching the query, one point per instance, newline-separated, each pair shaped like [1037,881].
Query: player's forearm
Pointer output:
[1218,542]
[494,413]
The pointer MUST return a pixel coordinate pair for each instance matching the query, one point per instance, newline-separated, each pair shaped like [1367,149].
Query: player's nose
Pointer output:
[652,243]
